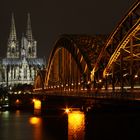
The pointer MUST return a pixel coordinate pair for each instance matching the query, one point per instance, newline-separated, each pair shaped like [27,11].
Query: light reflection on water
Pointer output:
[76,125]
[36,122]
[19,125]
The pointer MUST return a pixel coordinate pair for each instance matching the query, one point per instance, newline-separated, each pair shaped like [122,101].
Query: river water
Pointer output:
[98,125]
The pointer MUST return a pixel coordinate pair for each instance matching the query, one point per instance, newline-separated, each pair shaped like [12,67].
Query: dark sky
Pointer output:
[51,18]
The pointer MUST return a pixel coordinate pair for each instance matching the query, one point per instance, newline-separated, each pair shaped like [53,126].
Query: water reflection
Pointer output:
[5,114]
[37,111]
[76,125]
[37,107]
[18,113]
[37,104]
[36,122]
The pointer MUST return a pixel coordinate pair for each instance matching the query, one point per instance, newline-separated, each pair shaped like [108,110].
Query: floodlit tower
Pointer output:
[12,49]
[31,47]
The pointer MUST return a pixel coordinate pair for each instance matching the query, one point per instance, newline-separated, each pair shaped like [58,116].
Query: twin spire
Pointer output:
[13,29]
[29,29]
[13,36]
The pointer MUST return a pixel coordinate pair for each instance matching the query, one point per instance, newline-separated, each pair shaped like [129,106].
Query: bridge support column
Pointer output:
[131,65]
[121,70]
[106,87]
[113,79]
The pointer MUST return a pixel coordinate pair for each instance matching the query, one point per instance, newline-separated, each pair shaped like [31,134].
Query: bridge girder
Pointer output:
[40,79]
[84,50]
[124,31]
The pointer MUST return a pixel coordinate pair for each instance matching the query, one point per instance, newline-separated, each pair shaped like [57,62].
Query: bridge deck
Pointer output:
[97,94]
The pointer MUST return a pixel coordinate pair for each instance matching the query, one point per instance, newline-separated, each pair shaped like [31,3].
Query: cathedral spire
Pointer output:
[29,29]
[13,35]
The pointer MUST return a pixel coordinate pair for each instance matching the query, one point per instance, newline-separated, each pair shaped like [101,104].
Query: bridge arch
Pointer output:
[121,50]
[72,56]
[40,79]
[79,50]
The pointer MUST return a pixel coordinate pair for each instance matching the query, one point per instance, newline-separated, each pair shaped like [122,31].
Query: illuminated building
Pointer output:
[21,63]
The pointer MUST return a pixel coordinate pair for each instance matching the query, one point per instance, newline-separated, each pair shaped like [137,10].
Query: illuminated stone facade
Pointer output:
[21,63]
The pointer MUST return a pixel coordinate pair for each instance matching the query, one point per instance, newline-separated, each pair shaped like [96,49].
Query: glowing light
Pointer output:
[92,74]
[100,81]
[67,110]
[76,125]
[6,98]
[33,100]
[88,82]
[17,101]
[18,113]
[37,104]
[5,114]
[136,76]
[35,120]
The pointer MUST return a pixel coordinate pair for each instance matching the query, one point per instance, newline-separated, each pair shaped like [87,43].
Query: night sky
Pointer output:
[51,18]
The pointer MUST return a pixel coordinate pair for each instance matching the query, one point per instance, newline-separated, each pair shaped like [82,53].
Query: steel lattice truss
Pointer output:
[83,48]
[98,58]
[126,30]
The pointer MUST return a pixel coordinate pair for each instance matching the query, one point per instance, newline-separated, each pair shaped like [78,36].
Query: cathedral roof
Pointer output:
[19,61]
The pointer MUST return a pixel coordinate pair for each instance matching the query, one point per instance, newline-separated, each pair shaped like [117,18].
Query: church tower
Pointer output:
[21,63]
[12,49]
[31,51]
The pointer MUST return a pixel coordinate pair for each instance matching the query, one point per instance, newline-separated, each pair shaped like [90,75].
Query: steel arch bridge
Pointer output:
[96,63]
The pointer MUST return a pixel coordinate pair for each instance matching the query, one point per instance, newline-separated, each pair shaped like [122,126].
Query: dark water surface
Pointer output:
[105,125]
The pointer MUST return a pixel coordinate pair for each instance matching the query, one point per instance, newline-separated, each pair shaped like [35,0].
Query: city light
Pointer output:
[37,104]
[17,101]
[67,110]
[136,76]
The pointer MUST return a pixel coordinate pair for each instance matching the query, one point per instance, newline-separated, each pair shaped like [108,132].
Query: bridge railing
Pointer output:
[126,94]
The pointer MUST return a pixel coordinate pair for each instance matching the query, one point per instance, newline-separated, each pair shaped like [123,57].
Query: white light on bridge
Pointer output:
[88,82]
[125,74]
[19,92]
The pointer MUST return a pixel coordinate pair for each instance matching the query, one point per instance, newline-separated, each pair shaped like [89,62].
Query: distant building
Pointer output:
[21,63]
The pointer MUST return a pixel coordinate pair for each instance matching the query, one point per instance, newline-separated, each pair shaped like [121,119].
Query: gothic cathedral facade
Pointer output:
[21,63]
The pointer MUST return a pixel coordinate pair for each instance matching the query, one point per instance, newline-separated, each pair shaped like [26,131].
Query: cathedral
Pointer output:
[21,63]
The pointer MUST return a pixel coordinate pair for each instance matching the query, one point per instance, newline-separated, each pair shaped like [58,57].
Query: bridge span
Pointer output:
[97,66]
